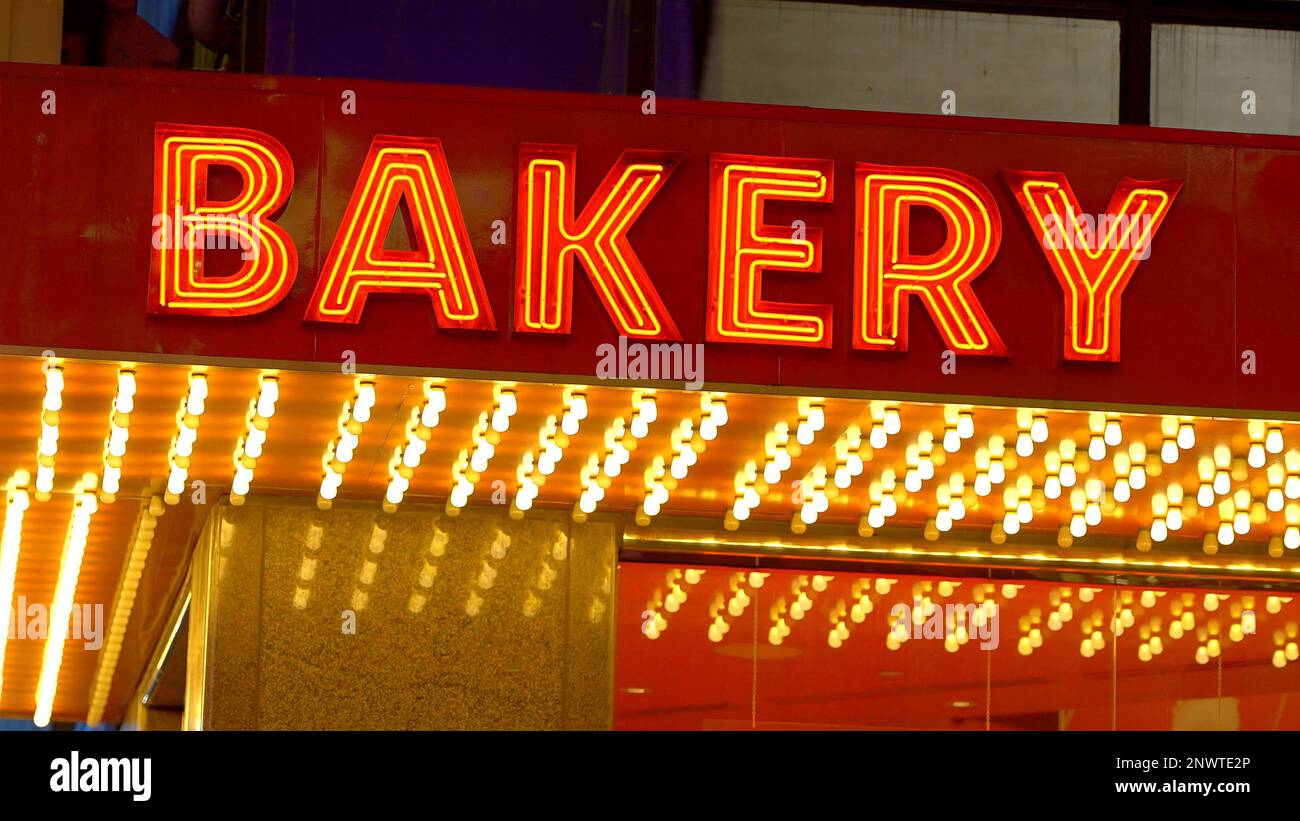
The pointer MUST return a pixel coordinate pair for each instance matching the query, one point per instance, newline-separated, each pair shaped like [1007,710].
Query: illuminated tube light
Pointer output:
[123,603]
[1205,489]
[48,445]
[16,504]
[1130,471]
[1095,495]
[74,549]
[1169,444]
[1241,513]
[1079,520]
[537,465]
[407,456]
[249,448]
[528,475]
[352,420]
[472,462]
[1167,513]
[593,491]
[1052,481]
[646,411]
[1068,473]
[187,431]
[119,422]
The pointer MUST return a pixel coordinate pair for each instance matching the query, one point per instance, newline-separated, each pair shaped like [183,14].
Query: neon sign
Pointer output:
[1093,270]
[184,154]
[741,247]
[413,171]
[889,271]
[552,239]
[409,178]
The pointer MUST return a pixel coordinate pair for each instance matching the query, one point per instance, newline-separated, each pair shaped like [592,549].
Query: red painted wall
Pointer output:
[1224,274]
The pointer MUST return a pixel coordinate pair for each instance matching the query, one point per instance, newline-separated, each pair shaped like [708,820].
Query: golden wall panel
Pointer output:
[353,619]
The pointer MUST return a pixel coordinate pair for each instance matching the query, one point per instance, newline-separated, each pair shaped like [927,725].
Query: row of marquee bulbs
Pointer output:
[192,406]
[620,439]
[471,462]
[688,439]
[779,453]
[90,493]
[338,453]
[1215,471]
[688,442]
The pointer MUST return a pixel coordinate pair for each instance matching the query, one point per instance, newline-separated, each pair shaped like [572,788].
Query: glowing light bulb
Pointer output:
[1038,429]
[1273,440]
[1113,434]
[893,422]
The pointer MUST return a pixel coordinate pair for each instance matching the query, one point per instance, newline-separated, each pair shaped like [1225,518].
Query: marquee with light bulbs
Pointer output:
[899,367]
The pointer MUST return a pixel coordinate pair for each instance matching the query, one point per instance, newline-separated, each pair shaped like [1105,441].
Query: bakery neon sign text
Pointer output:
[555,231]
